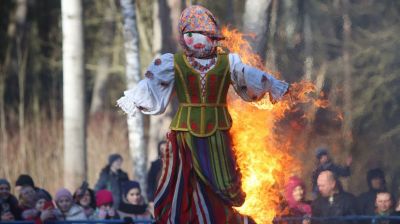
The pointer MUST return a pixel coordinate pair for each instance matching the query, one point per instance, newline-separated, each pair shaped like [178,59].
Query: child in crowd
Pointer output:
[295,204]
[104,203]
[67,207]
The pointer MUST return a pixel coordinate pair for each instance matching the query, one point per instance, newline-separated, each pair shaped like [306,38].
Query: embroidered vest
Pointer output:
[201,113]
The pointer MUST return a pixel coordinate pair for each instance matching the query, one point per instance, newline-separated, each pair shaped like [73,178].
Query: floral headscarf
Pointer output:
[200,20]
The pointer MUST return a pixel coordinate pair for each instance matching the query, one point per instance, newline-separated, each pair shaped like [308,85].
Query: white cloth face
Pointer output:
[200,45]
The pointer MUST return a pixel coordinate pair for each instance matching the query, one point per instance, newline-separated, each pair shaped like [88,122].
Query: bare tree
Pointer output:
[255,21]
[270,61]
[291,16]
[136,135]
[347,81]
[73,94]
[104,62]
[22,57]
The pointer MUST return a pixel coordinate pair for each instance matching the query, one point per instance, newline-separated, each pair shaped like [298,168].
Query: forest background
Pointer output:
[350,49]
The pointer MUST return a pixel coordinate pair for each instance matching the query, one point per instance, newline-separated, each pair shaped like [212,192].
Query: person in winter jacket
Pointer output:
[104,209]
[376,183]
[133,205]
[9,209]
[67,207]
[85,197]
[332,201]
[324,162]
[112,177]
[295,204]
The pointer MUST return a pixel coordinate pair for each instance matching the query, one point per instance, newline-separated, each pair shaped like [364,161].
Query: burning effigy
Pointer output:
[224,163]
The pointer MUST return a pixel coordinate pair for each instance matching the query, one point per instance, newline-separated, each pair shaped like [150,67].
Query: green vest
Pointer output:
[201,114]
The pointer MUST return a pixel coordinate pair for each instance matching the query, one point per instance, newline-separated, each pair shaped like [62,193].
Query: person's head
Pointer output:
[115,162]
[24,180]
[327,183]
[199,32]
[322,155]
[41,199]
[294,190]
[376,179]
[64,200]
[104,199]
[383,202]
[85,199]
[5,188]
[133,193]
[27,196]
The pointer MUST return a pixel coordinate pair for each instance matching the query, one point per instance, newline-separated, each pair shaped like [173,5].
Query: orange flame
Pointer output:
[264,157]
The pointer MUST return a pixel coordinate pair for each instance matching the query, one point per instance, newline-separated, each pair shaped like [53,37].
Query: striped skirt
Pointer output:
[200,181]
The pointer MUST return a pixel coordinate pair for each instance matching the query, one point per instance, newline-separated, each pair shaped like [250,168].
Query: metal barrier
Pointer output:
[117,221]
[321,220]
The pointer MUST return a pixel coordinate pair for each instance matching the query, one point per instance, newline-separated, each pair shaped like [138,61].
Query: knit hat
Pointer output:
[113,157]
[103,197]
[130,185]
[4,181]
[321,152]
[63,192]
[24,180]
[292,183]
[375,174]
[41,194]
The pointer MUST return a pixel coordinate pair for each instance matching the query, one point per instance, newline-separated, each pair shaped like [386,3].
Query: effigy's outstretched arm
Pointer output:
[151,95]
[251,84]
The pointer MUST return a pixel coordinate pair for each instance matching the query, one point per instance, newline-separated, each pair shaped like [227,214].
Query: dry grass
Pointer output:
[106,134]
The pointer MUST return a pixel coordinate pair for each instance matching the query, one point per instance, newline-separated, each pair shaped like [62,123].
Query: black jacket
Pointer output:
[152,178]
[343,204]
[366,203]
[10,205]
[112,182]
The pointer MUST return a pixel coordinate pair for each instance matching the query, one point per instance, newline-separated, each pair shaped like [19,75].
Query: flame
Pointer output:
[264,157]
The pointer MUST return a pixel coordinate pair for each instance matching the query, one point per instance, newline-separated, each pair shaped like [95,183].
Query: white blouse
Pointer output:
[152,94]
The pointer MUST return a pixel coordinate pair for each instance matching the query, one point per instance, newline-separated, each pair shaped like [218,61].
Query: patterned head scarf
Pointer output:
[200,20]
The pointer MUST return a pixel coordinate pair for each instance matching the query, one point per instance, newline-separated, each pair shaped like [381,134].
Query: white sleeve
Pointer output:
[151,95]
[251,84]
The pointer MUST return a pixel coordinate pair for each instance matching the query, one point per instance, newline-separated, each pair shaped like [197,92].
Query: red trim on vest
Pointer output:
[212,90]
[193,88]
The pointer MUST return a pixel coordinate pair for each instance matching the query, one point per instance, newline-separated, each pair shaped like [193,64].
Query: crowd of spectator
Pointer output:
[331,200]
[116,197]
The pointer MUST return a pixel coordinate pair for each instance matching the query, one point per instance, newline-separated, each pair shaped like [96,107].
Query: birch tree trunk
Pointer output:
[270,61]
[255,21]
[291,12]
[22,57]
[136,135]
[347,81]
[308,51]
[75,168]
[104,62]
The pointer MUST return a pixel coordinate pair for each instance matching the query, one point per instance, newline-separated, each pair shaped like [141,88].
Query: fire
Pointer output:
[264,157]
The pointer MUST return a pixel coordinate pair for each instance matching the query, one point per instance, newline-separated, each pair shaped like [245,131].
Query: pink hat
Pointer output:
[292,183]
[63,192]
[103,197]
